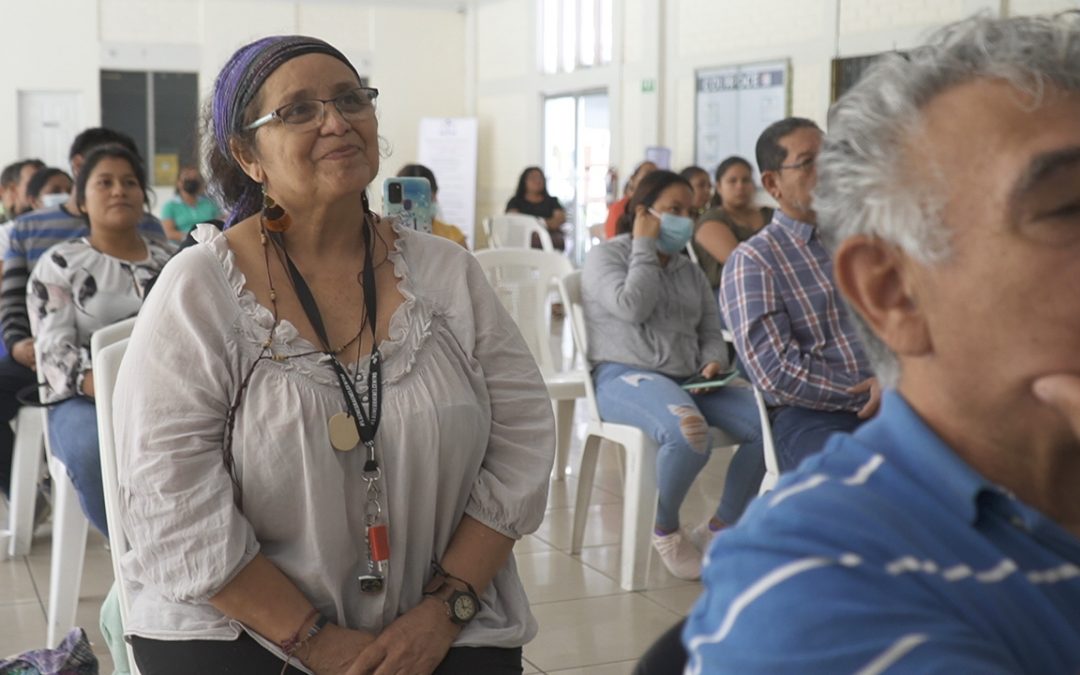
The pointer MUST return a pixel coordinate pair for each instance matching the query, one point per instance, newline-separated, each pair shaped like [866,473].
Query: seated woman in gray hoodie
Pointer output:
[654,325]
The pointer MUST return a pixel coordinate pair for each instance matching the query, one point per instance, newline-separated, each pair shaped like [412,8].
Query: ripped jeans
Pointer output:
[680,423]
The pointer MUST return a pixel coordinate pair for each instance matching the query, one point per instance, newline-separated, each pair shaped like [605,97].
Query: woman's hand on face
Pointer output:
[415,643]
[334,650]
[646,224]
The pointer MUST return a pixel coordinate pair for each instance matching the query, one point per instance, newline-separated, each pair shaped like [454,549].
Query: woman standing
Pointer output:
[189,207]
[661,326]
[532,199]
[732,219]
[332,433]
[82,285]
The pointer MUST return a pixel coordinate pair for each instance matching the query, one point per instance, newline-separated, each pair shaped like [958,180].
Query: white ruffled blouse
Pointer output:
[466,428]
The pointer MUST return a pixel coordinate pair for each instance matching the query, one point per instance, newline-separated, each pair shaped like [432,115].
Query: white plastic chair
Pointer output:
[639,485]
[106,356]
[69,522]
[523,278]
[772,464]
[515,230]
[25,474]
[69,528]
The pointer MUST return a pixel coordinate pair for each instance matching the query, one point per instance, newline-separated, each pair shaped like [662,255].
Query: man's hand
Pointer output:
[869,385]
[23,352]
[1061,392]
[415,643]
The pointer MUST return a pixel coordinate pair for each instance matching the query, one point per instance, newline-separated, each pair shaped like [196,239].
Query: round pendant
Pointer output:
[343,435]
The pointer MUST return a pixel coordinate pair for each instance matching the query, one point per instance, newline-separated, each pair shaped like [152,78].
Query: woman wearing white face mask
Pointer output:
[654,325]
[48,188]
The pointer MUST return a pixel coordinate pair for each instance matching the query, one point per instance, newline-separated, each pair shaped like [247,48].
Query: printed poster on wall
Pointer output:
[734,105]
[448,147]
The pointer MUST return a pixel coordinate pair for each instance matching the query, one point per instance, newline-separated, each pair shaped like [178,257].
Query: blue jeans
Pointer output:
[801,432]
[73,439]
[671,415]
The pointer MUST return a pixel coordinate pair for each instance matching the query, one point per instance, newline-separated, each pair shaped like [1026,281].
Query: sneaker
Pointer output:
[702,537]
[680,557]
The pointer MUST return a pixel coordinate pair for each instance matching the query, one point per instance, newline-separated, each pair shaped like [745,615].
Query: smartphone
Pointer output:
[409,201]
[719,380]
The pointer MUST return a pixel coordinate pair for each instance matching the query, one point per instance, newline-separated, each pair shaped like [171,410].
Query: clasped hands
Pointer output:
[414,644]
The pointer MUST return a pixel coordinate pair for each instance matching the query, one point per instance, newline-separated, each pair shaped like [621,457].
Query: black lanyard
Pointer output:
[367,421]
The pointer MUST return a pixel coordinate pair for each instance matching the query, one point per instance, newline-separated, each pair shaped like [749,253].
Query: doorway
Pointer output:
[48,123]
[577,152]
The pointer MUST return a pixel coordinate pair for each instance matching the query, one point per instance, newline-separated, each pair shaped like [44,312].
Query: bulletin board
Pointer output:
[734,104]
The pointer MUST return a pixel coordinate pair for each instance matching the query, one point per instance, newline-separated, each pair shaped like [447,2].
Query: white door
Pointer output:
[48,123]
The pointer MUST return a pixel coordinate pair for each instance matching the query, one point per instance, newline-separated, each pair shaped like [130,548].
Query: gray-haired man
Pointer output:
[944,535]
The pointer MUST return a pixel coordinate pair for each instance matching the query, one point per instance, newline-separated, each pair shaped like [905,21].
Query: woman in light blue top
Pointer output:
[655,324]
[189,207]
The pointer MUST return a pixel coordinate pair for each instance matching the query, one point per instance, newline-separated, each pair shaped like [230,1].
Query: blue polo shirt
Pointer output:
[887,553]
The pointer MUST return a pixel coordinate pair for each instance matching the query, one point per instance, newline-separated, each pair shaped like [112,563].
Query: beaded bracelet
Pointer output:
[294,643]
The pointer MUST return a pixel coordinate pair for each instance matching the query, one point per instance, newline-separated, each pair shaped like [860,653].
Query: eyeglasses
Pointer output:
[799,166]
[355,104]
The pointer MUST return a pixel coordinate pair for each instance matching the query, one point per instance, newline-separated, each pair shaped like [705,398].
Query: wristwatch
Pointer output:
[461,606]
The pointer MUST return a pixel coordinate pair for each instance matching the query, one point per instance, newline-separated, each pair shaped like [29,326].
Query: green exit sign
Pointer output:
[648,86]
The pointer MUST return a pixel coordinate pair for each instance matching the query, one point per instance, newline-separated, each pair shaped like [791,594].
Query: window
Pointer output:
[847,71]
[160,111]
[577,144]
[575,34]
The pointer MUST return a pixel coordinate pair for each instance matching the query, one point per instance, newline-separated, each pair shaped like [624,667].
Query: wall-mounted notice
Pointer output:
[734,105]
[448,147]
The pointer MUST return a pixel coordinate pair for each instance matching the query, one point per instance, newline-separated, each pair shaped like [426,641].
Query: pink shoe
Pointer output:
[680,557]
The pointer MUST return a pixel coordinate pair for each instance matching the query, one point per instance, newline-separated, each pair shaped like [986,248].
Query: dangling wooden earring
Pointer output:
[275,217]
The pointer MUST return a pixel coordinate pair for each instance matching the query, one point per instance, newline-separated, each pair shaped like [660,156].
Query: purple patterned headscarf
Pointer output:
[235,88]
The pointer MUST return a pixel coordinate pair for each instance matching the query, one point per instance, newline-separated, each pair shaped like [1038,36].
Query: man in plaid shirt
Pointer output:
[790,326]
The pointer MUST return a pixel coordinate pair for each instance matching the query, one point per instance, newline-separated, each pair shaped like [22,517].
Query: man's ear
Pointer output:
[244,156]
[769,181]
[878,280]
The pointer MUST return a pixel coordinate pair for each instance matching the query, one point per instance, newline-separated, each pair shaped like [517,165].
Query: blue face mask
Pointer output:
[675,232]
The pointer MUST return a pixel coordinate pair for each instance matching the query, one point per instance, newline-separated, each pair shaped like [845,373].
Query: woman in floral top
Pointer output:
[82,285]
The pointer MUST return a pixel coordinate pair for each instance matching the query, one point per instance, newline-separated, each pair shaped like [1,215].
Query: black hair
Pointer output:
[105,152]
[722,169]
[520,193]
[37,182]
[419,171]
[646,193]
[93,137]
[10,174]
[689,172]
[770,154]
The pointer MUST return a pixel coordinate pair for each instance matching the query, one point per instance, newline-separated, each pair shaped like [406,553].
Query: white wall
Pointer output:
[668,40]
[415,54]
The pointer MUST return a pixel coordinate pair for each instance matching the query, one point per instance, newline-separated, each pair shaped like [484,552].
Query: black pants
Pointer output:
[13,377]
[666,656]
[243,655]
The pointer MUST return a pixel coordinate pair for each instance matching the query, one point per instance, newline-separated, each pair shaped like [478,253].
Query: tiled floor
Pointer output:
[588,624]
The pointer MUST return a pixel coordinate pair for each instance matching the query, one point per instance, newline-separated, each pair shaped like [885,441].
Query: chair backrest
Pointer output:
[107,347]
[570,289]
[515,230]
[772,465]
[523,280]
[114,332]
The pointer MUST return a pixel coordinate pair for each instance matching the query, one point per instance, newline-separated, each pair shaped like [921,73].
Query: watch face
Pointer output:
[464,607]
